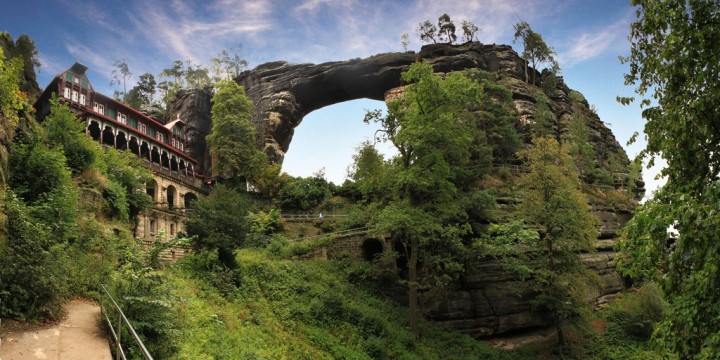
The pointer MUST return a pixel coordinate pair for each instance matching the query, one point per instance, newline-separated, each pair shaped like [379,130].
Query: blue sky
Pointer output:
[588,36]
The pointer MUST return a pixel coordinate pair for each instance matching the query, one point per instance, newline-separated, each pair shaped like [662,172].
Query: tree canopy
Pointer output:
[535,50]
[232,138]
[416,198]
[674,67]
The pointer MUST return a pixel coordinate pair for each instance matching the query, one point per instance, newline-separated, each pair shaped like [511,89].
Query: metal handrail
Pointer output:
[311,217]
[341,233]
[117,334]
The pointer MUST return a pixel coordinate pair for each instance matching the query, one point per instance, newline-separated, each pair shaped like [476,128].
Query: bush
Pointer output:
[303,193]
[35,283]
[638,310]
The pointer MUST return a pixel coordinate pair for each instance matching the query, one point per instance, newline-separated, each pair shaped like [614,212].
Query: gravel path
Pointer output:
[76,337]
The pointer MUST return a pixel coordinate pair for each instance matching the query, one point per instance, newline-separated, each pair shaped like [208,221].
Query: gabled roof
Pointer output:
[172,124]
[78,68]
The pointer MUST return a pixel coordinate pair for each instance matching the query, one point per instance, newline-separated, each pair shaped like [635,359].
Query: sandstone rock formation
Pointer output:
[194,106]
[284,93]
[487,300]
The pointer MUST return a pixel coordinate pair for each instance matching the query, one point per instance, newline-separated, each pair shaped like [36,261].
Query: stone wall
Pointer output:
[163,219]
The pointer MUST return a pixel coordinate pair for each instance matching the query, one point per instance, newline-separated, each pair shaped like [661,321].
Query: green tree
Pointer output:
[446,29]
[302,193]
[542,123]
[432,130]
[196,76]
[535,50]
[427,31]
[219,223]
[143,93]
[469,30]
[64,129]
[674,66]
[227,65]
[405,41]
[13,102]
[580,148]
[554,204]
[497,118]
[232,140]
[120,75]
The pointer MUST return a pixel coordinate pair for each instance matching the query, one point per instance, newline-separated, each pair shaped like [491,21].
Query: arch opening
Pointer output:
[171,194]
[121,141]
[308,153]
[108,138]
[151,188]
[190,199]
[371,249]
[94,130]
[134,146]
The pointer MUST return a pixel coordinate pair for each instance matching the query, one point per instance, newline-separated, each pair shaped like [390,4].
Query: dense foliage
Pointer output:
[417,198]
[232,140]
[218,222]
[674,66]
[553,202]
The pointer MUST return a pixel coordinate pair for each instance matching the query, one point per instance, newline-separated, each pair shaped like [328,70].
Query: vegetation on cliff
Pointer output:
[67,211]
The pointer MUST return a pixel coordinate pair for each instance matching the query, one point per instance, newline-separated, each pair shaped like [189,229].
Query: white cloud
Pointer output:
[592,44]
[90,57]
[182,31]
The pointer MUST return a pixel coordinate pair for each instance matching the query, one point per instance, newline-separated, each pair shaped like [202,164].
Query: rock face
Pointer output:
[284,93]
[194,107]
[487,300]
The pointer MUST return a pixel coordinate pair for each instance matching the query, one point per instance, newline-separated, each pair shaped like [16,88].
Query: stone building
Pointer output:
[162,147]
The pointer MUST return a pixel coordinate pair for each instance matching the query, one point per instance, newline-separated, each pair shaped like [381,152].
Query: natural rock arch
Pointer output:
[284,93]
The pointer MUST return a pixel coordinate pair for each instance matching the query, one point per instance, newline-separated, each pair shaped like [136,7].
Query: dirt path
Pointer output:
[76,337]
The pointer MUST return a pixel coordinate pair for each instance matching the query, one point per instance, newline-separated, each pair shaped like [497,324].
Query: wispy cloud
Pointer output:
[184,31]
[592,44]
[90,56]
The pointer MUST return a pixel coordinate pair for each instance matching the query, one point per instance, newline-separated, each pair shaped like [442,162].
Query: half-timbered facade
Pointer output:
[161,146]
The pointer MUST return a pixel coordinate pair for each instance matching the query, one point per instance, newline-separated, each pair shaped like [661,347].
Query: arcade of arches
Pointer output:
[173,189]
[172,200]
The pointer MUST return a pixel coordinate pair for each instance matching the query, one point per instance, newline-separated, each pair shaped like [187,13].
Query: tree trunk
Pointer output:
[413,288]
[560,335]
[526,72]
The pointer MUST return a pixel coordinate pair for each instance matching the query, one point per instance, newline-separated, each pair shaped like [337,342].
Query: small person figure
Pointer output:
[321,217]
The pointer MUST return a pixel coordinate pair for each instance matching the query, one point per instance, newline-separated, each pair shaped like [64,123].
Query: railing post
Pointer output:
[119,335]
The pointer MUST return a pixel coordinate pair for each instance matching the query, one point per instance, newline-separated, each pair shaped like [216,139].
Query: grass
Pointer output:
[314,309]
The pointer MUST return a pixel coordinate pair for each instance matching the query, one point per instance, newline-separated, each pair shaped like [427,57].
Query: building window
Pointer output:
[76,80]
[68,76]
[122,118]
[82,99]
[160,137]
[152,227]
[172,142]
[142,127]
[66,93]
[181,146]
[84,84]
[74,96]
[172,229]
[99,108]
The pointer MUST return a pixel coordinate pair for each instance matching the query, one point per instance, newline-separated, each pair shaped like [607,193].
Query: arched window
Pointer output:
[190,198]
[171,193]
[151,189]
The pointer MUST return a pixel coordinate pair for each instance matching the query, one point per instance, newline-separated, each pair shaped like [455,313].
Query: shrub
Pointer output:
[303,193]
[34,285]
[638,310]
